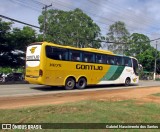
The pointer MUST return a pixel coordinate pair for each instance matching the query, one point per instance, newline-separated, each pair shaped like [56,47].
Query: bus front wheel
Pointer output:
[70,83]
[82,83]
[127,81]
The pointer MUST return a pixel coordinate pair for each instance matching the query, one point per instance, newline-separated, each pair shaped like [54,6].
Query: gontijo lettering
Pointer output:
[33,57]
[89,67]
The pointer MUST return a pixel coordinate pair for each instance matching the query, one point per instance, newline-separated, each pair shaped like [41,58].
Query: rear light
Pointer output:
[40,72]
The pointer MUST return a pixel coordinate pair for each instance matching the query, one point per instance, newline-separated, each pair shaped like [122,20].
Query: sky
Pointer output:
[140,16]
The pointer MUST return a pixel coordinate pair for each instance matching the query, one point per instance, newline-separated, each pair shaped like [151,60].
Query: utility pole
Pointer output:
[45,17]
[155,64]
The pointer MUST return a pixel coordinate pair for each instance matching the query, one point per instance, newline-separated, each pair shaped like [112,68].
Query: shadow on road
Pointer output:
[60,88]
[47,88]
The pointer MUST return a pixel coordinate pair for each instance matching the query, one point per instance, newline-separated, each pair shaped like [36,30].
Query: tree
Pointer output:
[141,48]
[13,44]
[22,38]
[138,44]
[6,55]
[118,34]
[147,59]
[73,28]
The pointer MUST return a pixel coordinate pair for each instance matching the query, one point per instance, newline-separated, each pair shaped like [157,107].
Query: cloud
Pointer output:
[140,16]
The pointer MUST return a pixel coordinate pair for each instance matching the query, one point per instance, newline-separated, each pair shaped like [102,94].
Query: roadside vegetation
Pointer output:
[7,70]
[77,29]
[157,79]
[157,94]
[86,112]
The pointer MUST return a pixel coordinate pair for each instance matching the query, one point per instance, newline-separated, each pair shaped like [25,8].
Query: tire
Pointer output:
[127,81]
[82,83]
[70,83]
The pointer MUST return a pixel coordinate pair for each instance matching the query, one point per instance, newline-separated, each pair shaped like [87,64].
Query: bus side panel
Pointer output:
[57,71]
[128,71]
[118,75]
[113,75]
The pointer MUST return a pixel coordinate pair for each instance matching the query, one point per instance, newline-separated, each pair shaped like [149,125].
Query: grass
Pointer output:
[157,79]
[157,94]
[86,112]
[7,70]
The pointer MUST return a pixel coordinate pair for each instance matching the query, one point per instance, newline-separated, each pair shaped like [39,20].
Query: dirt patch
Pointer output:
[151,99]
[139,94]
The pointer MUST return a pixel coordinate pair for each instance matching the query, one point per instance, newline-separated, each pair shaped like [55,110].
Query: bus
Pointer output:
[57,65]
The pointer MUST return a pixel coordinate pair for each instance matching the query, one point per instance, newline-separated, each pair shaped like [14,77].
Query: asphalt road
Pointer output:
[30,89]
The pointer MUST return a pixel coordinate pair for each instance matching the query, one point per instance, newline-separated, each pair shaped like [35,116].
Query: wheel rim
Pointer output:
[127,81]
[81,83]
[70,83]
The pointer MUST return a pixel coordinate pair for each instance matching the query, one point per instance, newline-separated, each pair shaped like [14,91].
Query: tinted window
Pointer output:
[101,58]
[110,60]
[118,60]
[56,53]
[75,55]
[127,61]
[88,57]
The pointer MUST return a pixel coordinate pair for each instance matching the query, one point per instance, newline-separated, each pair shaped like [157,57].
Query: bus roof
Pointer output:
[98,50]
[82,49]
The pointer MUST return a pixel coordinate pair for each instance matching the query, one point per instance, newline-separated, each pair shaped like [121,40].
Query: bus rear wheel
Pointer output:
[70,83]
[82,83]
[127,81]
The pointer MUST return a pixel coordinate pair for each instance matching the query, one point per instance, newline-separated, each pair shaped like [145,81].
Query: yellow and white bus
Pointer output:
[57,65]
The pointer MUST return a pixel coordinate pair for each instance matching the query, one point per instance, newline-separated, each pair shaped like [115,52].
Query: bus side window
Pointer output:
[56,53]
[104,59]
[111,60]
[78,59]
[60,57]
[99,61]
[127,61]
[74,55]
[88,57]
[98,58]
[118,60]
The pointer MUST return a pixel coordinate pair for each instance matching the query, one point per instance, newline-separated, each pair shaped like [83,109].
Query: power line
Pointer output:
[80,38]
[125,43]
[117,10]
[27,5]
[37,2]
[64,4]
[102,21]
[19,21]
